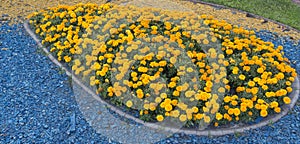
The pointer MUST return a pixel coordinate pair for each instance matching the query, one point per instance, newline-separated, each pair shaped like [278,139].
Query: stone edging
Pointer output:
[218,132]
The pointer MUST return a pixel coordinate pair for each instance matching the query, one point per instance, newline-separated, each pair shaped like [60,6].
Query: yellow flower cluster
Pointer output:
[61,28]
[154,48]
[167,64]
[258,72]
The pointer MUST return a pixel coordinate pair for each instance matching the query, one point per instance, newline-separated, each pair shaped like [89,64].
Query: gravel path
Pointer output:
[37,104]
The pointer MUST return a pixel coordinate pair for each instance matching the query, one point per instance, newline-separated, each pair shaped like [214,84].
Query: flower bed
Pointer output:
[176,66]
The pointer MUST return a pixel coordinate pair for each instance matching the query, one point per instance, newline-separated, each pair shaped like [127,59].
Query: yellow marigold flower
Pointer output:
[260,70]
[168,107]
[277,109]
[189,93]
[152,106]
[199,116]
[270,94]
[227,87]
[176,93]
[257,106]
[263,107]
[174,113]
[289,89]
[163,63]
[256,79]
[274,104]
[235,70]
[240,89]
[179,88]
[280,75]
[221,90]
[214,39]
[158,99]
[216,124]
[265,87]
[160,118]
[205,109]
[189,69]
[173,60]
[172,84]
[286,100]
[182,117]
[143,69]
[260,101]
[226,107]
[206,119]
[162,105]
[110,94]
[209,84]
[145,81]
[254,90]
[205,41]
[230,111]
[234,103]
[250,104]
[236,111]
[67,59]
[243,108]
[129,103]
[292,79]
[174,102]
[167,101]
[264,76]
[242,77]
[246,68]
[141,112]
[168,25]
[250,113]
[294,74]
[219,116]
[263,113]
[135,79]
[229,51]
[163,95]
[195,109]
[227,99]
[251,83]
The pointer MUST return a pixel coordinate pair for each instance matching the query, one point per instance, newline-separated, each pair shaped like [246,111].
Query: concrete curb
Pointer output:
[210,132]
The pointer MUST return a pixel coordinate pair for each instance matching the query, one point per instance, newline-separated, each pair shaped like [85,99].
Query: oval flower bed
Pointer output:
[176,66]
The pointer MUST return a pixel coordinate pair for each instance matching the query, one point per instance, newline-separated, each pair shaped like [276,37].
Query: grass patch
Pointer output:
[284,11]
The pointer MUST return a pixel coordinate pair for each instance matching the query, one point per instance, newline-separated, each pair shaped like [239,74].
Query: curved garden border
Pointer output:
[207,132]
